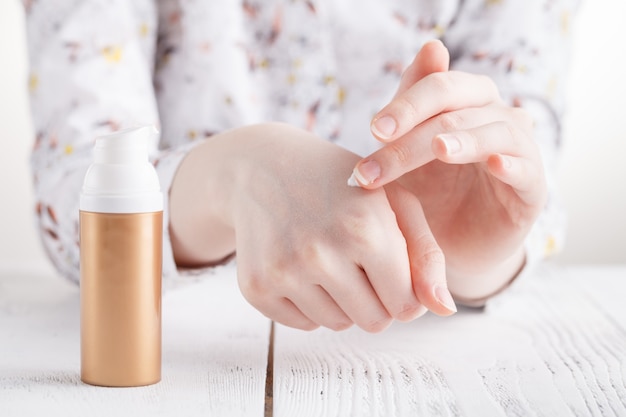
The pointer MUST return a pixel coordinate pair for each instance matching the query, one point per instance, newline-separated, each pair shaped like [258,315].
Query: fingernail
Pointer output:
[384,127]
[445,298]
[506,162]
[434,41]
[451,142]
[365,173]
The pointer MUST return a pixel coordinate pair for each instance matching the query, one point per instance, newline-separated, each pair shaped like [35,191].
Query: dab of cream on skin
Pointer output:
[356,179]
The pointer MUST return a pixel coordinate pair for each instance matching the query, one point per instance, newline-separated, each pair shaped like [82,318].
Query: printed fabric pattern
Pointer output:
[196,68]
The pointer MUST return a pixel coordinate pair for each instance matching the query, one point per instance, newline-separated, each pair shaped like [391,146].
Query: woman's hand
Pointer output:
[310,250]
[472,162]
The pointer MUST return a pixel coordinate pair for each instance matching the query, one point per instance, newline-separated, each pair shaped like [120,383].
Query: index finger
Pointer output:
[435,93]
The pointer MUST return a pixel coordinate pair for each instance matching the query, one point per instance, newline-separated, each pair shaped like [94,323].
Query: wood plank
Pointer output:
[544,348]
[214,353]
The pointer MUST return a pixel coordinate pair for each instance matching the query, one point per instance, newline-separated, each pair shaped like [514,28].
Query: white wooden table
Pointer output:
[554,345]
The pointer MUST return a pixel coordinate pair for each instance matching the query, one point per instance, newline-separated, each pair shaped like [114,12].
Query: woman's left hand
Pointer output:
[472,162]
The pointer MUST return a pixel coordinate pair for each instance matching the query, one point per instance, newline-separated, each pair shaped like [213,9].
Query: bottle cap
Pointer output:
[121,179]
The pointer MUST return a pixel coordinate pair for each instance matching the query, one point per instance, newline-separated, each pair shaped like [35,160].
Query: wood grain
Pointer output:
[551,346]
[214,353]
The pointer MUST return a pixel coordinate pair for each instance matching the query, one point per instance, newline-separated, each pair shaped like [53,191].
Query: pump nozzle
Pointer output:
[121,179]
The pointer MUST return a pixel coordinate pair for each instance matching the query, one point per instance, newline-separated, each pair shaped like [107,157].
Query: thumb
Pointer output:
[426,259]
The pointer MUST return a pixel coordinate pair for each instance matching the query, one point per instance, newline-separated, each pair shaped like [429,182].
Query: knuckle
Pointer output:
[443,82]
[450,121]
[277,275]
[377,325]
[542,199]
[408,311]
[406,106]
[399,153]
[298,323]
[359,228]
[306,326]
[264,284]
[254,288]
[479,144]
[428,252]
[490,86]
[433,255]
[514,133]
[314,253]
[523,118]
[340,325]
[354,225]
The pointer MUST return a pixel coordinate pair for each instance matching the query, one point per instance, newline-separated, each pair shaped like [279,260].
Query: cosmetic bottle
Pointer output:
[121,224]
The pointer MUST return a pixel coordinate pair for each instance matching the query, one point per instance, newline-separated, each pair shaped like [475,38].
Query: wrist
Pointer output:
[201,197]
[210,181]
[476,287]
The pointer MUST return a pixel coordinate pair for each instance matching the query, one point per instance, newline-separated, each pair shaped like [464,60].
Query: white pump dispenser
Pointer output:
[121,179]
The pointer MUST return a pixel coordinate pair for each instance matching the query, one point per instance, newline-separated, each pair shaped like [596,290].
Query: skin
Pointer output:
[312,251]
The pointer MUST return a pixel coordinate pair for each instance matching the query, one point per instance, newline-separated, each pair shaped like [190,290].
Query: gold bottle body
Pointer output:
[120,291]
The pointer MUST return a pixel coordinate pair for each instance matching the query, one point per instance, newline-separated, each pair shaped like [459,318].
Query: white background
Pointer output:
[593,168]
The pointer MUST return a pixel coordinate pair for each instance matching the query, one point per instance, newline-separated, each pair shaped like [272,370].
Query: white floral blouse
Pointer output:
[198,67]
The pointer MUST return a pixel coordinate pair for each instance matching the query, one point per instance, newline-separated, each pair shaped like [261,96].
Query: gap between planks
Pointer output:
[269,376]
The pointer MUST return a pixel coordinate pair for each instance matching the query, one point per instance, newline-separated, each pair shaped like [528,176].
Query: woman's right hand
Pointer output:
[310,250]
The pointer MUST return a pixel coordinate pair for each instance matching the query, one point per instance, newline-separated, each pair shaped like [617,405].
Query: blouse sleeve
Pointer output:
[91,65]
[524,46]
